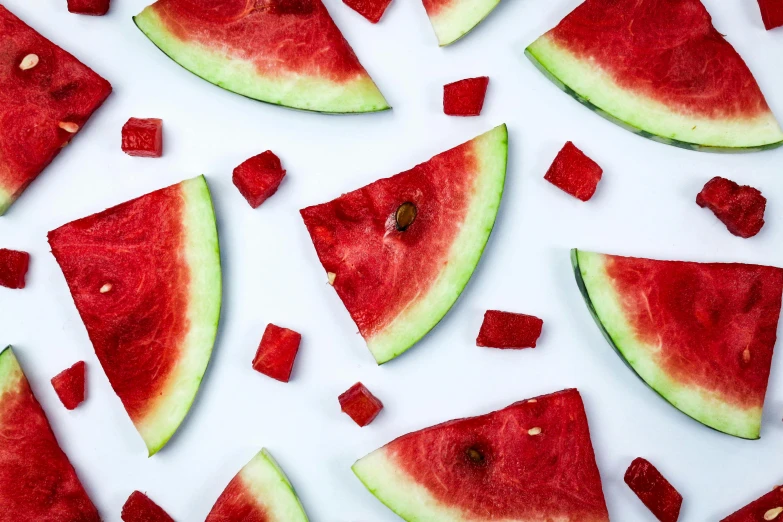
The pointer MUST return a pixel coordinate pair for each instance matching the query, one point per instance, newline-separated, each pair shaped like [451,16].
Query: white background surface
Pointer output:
[644,206]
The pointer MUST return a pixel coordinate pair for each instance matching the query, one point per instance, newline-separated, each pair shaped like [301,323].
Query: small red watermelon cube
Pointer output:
[89,7]
[360,405]
[771,13]
[143,137]
[509,330]
[69,385]
[740,208]
[654,490]
[276,353]
[13,267]
[575,173]
[465,97]
[258,178]
[139,508]
[370,9]
[765,508]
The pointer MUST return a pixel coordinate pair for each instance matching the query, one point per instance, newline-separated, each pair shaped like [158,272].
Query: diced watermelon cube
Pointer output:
[575,173]
[509,330]
[765,508]
[258,177]
[143,137]
[771,13]
[360,405]
[740,208]
[372,10]
[465,97]
[89,7]
[69,385]
[139,508]
[277,352]
[654,490]
[13,267]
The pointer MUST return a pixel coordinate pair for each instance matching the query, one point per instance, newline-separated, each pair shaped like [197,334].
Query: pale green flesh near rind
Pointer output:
[590,85]
[242,77]
[699,403]
[10,372]
[268,484]
[6,199]
[202,255]
[421,316]
[459,18]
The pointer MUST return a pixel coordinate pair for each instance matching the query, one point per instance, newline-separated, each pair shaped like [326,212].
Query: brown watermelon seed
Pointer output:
[405,215]
[534,431]
[106,288]
[474,455]
[28,62]
[773,513]
[68,126]
[332,276]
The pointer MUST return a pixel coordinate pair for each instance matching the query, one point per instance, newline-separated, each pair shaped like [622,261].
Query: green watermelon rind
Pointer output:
[700,404]
[10,371]
[646,117]
[6,200]
[459,18]
[466,251]
[297,92]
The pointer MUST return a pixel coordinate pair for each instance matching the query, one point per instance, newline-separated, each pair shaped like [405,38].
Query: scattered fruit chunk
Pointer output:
[654,490]
[139,508]
[13,267]
[523,463]
[402,248]
[145,278]
[771,13]
[285,52]
[372,10]
[69,385]
[453,19]
[360,405]
[143,137]
[465,97]
[699,334]
[573,172]
[672,77]
[37,482]
[766,508]
[259,492]
[277,352]
[740,208]
[42,88]
[509,330]
[89,7]
[258,177]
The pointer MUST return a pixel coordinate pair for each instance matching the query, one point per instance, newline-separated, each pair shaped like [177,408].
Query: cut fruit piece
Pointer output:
[372,10]
[509,330]
[699,334]
[740,208]
[290,53]
[140,508]
[531,461]
[673,78]
[145,277]
[143,137]
[401,250]
[453,19]
[654,490]
[259,177]
[37,482]
[69,385]
[277,352]
[766,508]
[46,96]
[465,97]
[771,13]
[261,492]
[360,405]
[13,267]
[573,172]
[89,7]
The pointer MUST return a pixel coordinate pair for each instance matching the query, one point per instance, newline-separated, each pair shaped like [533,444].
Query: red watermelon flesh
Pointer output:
[740,208]
[69,385]
[465,97]
[654,490]
[766,508]
[771,13]
[277,352]
[575,173]
[89,7]
[372,10]
[259,177]
[46,96]
[37,482]
[140,508]
[509,330]
[143,137]
[360,404]
[13,268]
[530,461]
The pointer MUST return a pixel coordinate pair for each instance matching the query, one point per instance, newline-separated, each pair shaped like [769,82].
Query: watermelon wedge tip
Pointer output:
[453,19]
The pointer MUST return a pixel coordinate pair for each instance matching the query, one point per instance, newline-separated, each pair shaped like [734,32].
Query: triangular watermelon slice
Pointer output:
[532,461]
[145,277]
[46,97]
[37,482]
[453,19]
[400,251]
[259,492]
[285,52]
[699,334]
[659,68]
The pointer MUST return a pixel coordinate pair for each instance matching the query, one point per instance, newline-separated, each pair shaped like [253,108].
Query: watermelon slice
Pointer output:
[532,461]
[700,334]
[46,97]
[453,19]
[145,277]
[400,251]
[767,507]
[37,482]
[659,68]
[260,492]
[285,52]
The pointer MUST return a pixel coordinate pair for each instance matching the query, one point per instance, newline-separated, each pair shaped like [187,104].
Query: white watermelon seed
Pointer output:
[68,126]
[532,400]
[773,513]
[534,431]
[106,288]
[28,62]
[746,355]
[332,276]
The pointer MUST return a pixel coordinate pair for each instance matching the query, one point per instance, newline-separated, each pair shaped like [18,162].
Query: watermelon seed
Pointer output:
[475,455]
[773,513]
[68,126]
[28,62]
[532,401]
[534,431]
[405,215]
[105,288]
[746,355]
[332,276]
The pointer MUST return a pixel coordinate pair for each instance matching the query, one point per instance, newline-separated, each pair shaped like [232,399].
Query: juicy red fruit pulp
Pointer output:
[69,385]
[259,177]
[465,97]
[13,268]
[360,405]
[740,208]
[767,507]
[509,330]
[277,352]
[573,172]
[654,490]
[143,137]
[372,10]
[139,508]
[771,13]
[89,7]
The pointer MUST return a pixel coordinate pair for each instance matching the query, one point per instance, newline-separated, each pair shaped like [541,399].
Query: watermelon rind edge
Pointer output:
[9,369]
[459,19]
